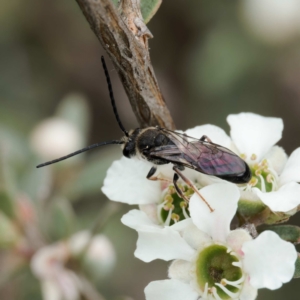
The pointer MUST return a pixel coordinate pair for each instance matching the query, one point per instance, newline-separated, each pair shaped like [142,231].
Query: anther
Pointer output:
[253,181]
[243,156]
[175,217]
[168,199]
[183,204]
[270,178]
[258,172]
[168,206]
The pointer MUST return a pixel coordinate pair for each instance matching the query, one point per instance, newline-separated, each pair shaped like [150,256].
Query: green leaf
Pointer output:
[277,218]
[60,220]
[248,208]
[35,182]
[297,267]
[8,232]
[7,204]
[148,8]
[288,233]
[91,178]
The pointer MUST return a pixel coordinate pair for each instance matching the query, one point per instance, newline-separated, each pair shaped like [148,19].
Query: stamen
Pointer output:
[175,217]
[214,291]
[234,283]
[228,250]
[205,290]
[237,264]
[183,204]
[172,190]
[263,185]
[185,213]
[274,185]
[258,172]
[253,181]
[269,178]
[158,211]
[168,198]
[248,187]
[168,220]
[253,157]
[233,253]
[168,206]
[274,173]
[225,290]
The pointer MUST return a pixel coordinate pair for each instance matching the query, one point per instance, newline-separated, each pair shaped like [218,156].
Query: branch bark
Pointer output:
[124,36]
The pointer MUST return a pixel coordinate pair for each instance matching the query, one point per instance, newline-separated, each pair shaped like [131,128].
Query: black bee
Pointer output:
[162,146]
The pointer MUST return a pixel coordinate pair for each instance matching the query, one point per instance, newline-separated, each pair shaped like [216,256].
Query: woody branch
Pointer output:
[124,35]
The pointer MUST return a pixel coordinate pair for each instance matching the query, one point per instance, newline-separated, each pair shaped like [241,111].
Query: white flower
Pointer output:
[55,137]
[275,177]
[213,262]
[274,21]
[49,264]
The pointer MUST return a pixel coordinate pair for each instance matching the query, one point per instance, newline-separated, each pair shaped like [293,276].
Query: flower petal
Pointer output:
[162,243]
[126,182]
[196,238]
[215,133]
[170,290]
[138,220]
[291,171]
[277,158]
[283,200]
[269,261]
[181,270]
[237,238]
[156,241]
[248,291]
[223,198]
[253,133]
[151,211]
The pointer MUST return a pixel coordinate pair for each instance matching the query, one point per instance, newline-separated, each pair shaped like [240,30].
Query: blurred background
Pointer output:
[212,58]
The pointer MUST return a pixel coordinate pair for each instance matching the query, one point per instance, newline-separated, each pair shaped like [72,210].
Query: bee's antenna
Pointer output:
[78,152]
[111,95]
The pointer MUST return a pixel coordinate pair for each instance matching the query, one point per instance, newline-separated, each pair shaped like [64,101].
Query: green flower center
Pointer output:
[263,177]
[173,208]
[219,273]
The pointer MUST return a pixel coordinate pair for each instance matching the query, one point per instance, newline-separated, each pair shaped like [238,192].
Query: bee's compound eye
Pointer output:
[129,149]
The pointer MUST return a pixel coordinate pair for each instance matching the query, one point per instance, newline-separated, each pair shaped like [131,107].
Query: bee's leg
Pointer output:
[154,178]
[178,190]
[190,184]
[205,138]
[151,173]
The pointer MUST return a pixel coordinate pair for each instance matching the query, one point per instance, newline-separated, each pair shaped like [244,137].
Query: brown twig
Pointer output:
[124,36]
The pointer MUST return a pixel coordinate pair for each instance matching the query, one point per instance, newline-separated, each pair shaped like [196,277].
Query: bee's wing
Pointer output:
[205,157]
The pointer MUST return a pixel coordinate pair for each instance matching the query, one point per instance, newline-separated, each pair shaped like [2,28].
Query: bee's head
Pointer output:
[129,147]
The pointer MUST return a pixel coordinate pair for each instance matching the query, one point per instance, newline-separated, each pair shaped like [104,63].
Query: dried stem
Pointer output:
[124,36]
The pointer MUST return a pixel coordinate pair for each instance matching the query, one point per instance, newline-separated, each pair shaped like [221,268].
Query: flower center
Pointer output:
[173,208]
[264,177]
[219,273]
